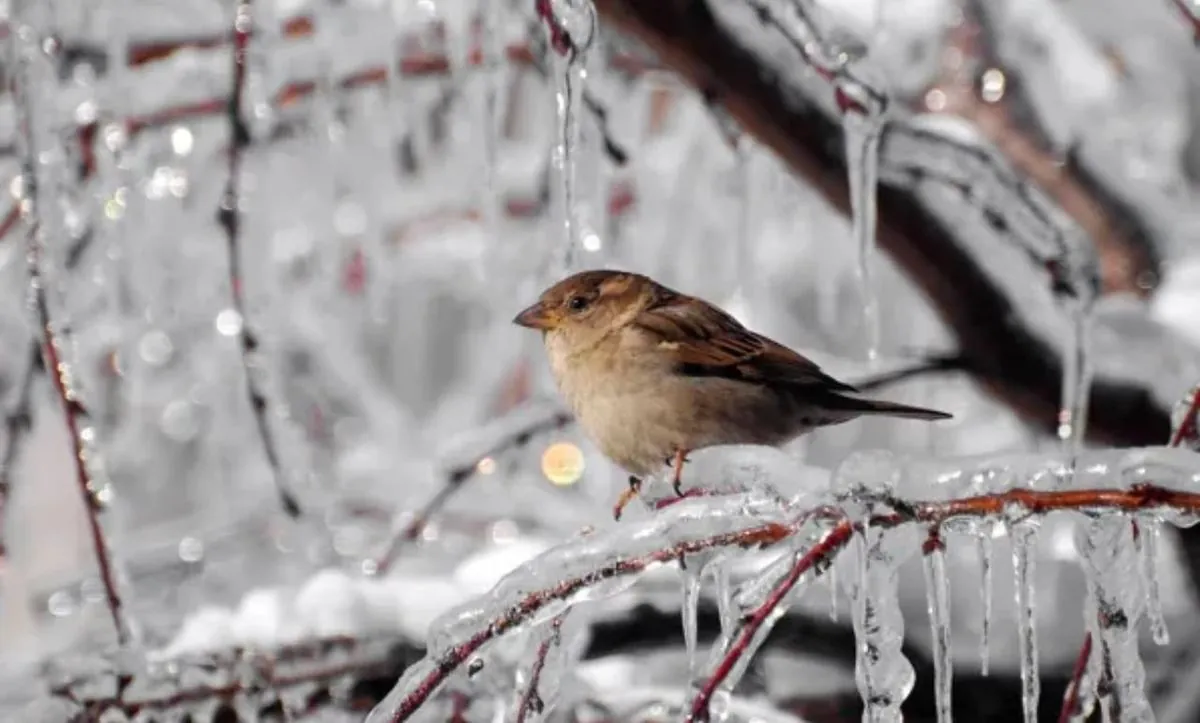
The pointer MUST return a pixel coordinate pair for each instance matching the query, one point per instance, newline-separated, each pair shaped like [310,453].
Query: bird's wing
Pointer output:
[706,341]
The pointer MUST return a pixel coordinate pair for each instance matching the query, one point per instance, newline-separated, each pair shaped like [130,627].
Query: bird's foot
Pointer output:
[677,462]
[635,486]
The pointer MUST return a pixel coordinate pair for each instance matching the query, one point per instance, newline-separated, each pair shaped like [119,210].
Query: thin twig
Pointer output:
[531,701]
[456,477]
[229,216]
[930,365]
[18,420]
[1191,13]
[1072,698]
[23,82]
[319,662]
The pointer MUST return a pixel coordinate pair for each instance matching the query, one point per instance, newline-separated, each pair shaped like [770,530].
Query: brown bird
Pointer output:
[653,374]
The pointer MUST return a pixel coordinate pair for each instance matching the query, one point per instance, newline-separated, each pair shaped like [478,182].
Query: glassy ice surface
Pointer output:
[409,175]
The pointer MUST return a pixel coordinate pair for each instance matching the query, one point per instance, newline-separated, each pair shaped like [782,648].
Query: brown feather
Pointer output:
[708,342]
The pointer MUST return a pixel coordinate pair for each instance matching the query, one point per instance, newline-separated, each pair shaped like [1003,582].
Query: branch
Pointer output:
[229,216]
[30,58]
[456,478]
[531,700]
[475,629]
[317,663]
[998,343]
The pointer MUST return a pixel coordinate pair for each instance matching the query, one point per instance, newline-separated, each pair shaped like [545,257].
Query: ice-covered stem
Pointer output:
[723,60]
[1126,245]
[229,216]
[530,700]
[413,696]
[1073,697]
[18,419]
[1185,433]
[318,664]
[1191,13]
[455,479]
[26,52]
[752,623]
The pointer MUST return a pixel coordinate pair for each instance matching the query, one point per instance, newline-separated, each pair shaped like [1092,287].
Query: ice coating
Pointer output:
[984,544]
[600,564]
[1149,530]
[884,675]
[1110,560]
[690,605]
[862,134]
[938,591]
[1024,537]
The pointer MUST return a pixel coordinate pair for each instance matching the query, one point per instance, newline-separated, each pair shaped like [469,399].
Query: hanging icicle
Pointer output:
[1024,540]
[1110,561]
[984,542]
[937,593]
[571,26]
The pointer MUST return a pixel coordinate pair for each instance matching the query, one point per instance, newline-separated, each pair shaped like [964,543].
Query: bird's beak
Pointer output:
[536,316]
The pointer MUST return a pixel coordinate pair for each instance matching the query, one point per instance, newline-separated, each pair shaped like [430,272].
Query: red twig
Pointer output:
[1185,434]
[753,622]
[23,83]
[1192,15]
[346,657]
[229,216]
[450,661]
[455,480]
[1072,697]
[531,700]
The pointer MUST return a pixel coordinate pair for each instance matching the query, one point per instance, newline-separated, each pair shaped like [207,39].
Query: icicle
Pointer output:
[690,605]
[831,577]
[984,541]
[491,53]
[884,675]
[1149,530]
[724,592]
[937,590]
[749,197]
[1076,383]
[1110,561]
[862,133]
[570,76]
[1023,536]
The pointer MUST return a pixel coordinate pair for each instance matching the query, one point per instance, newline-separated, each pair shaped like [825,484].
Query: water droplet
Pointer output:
[180,421]
[155,348]
[182,141]
[229,322]
[191,549]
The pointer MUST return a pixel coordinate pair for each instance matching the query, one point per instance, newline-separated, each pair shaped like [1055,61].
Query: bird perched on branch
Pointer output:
[653,374]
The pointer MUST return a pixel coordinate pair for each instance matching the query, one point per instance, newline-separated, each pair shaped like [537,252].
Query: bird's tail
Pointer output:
[887,409]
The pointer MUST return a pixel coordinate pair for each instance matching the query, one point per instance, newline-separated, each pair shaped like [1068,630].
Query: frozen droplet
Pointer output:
[191,549]
[350,218]
[182,141]
[229,322]
[61,604]
[155,348]
[180,420]
[690,606]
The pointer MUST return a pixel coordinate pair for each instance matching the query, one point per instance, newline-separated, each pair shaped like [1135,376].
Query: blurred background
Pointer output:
[296,271]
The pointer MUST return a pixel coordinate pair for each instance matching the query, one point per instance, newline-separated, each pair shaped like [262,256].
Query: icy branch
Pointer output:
[229,216]
[943,204]
[31,60]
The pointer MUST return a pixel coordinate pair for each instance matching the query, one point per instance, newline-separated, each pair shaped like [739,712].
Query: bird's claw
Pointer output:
[635,486]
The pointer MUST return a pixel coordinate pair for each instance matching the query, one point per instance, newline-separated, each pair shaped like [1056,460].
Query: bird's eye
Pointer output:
[577,303]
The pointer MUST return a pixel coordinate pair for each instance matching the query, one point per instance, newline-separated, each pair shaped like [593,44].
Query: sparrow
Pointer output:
[653,374]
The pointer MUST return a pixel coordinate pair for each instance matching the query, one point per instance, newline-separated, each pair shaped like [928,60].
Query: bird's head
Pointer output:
[588,305]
